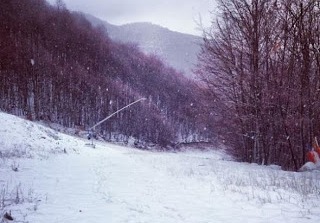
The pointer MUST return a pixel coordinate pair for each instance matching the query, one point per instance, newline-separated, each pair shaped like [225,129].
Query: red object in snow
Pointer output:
[313,156]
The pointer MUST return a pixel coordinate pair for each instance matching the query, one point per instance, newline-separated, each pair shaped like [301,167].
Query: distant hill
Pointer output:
[57,67]
[176,49]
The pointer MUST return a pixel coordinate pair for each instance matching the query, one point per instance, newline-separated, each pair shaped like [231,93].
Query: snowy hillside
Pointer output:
[46,176]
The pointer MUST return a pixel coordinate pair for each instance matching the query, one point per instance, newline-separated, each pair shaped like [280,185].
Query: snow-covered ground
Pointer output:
[46,176]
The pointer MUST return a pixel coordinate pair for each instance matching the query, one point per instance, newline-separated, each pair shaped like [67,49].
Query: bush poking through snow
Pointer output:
[15,151]
[8,216]
[16,196]
[15,166]
[270,186]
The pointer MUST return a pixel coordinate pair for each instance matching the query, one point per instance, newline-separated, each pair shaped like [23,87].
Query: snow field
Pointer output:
[59,179]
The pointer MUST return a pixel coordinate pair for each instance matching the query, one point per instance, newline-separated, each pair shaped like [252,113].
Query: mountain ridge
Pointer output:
[176,49]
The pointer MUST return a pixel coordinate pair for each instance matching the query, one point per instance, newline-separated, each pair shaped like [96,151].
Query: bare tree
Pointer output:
[259,62]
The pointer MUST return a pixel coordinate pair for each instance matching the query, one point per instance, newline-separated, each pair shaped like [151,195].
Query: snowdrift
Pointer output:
[46,176]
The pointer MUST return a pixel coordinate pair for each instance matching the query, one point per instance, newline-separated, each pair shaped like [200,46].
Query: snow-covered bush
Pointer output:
[269,186]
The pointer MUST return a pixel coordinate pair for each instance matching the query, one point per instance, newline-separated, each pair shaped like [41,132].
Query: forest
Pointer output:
[56,67]
[259,72]
[260,63]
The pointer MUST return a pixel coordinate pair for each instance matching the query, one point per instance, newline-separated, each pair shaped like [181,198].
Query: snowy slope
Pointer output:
[59,179]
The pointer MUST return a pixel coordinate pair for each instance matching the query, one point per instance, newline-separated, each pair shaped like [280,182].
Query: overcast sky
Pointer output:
[177,15]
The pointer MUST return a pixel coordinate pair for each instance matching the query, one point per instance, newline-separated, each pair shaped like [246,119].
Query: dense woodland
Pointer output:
[54,66]
[261,65]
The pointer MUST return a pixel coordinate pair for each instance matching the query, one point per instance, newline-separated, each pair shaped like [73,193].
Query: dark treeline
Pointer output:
[261,63]
[55,66]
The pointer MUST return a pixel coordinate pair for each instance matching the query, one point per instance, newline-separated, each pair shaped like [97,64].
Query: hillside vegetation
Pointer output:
[55,66]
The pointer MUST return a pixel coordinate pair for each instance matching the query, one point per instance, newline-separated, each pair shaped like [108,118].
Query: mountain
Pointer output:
[175,49]
[55,66]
